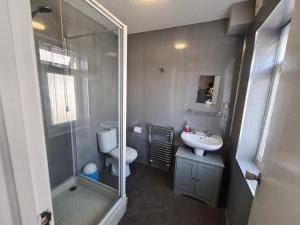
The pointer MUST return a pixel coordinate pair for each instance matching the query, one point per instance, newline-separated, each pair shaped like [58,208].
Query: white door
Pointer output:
[278,197]
[23,162]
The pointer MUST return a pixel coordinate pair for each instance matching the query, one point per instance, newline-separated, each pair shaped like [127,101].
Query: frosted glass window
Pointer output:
[53,57]
[62,98]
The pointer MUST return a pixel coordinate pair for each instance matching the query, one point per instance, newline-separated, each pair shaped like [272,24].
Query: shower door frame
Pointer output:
[119,208]
[122,82]
[122,85]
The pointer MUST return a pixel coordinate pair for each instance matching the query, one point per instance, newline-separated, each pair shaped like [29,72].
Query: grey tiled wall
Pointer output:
[163,98]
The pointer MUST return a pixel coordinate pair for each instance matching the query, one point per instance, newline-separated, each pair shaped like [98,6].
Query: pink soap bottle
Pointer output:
[187,127]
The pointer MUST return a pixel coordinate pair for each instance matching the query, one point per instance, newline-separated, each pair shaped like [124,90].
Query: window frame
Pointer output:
[51,130]
[272,94]
[68,120]
[255,164]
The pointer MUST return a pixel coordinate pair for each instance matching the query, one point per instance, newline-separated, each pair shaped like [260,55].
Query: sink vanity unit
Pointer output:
[198,176]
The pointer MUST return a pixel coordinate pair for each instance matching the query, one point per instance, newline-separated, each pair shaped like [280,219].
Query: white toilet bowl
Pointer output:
[107,141]
[131,155]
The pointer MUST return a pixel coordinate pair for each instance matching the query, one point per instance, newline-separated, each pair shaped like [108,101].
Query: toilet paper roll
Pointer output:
[137,130]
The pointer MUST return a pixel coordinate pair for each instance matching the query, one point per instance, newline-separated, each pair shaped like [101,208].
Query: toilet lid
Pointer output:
[131,153]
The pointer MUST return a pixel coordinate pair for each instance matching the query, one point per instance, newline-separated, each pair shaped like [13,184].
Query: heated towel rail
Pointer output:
[160,144]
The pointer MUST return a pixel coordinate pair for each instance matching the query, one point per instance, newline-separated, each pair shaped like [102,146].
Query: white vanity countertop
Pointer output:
[209,158]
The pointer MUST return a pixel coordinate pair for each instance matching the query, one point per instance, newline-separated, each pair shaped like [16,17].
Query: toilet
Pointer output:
[108,143]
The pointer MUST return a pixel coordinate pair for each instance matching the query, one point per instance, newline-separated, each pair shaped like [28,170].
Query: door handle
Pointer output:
[252,176]
[46,217]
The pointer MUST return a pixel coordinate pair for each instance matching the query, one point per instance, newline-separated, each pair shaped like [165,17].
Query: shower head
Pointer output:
[41,9]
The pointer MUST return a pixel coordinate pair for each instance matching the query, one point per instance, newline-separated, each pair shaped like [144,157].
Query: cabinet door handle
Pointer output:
[193,178]
[198,180]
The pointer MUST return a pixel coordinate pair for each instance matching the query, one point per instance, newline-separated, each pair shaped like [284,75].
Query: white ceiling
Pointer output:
[147,15]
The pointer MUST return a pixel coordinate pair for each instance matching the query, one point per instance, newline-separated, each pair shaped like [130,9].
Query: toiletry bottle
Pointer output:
[187,127]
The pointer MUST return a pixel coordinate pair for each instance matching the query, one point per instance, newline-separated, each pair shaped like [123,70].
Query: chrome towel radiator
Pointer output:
[160,144]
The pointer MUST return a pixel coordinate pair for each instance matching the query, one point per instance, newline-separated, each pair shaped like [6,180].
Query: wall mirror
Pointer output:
[208,89]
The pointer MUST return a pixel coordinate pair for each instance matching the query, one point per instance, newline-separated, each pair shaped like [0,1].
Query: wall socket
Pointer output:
[258,5]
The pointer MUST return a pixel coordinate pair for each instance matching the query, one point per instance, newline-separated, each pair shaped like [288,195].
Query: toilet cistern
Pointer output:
[202,142]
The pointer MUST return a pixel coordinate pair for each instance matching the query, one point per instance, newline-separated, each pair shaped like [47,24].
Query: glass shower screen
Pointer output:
[78,51]
[94,48]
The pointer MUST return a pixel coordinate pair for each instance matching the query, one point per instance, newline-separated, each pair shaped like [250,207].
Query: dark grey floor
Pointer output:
[109,179]
[152,202]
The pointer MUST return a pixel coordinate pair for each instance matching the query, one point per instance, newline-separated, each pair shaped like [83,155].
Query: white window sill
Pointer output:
[249,165]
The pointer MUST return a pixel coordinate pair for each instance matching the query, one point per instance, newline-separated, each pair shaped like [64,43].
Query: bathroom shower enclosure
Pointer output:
[81,60]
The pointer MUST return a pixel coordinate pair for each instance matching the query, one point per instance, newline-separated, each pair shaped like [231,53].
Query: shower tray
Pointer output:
[79,201]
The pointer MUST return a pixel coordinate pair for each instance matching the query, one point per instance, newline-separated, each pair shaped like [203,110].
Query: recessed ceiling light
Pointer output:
[180,45]
[148,1]
[38,26]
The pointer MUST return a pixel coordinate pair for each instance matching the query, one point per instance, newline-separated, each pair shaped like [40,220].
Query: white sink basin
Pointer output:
[201,142]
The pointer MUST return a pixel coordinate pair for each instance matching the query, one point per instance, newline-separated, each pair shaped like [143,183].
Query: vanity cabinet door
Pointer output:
[207,183]
[185,176]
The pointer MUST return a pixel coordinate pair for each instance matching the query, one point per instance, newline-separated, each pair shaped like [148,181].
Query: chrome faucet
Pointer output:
[208,133]
[194,131]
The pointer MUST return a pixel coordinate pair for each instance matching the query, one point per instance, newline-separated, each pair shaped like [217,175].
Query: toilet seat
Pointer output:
[131,154]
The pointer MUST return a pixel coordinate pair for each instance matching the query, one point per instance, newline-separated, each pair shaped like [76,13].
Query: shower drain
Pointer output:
[73,188]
